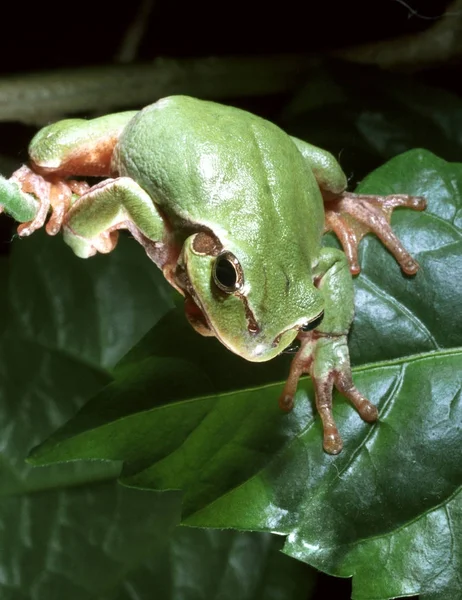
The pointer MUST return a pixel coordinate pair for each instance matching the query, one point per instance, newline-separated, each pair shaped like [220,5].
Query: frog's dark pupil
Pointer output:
[314,323]
[225,272]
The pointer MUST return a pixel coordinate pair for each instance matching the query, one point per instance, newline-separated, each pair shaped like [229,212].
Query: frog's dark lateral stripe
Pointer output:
[252,326]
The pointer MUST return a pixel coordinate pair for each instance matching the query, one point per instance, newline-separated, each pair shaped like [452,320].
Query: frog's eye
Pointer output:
[227,273]
[313,324]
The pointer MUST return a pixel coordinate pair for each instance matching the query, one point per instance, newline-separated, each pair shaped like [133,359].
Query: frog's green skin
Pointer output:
[200,185]
[216,169]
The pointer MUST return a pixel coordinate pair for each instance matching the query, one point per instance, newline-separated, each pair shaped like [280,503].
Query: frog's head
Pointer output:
[255,310]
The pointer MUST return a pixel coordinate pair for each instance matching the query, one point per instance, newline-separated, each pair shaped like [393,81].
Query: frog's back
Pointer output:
[216,166]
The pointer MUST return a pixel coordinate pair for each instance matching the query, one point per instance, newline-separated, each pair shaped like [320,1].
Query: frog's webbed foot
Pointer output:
[326,358]
[351,216]
[52,193]
[36,185]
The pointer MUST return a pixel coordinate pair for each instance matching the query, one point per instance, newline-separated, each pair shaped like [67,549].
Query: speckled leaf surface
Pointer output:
[393,493]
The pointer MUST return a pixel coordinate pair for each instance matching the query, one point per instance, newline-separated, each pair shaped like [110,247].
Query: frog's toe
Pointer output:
[37,222]
[368,411]
[60,200]
[409,265]
[344,383]
[286,402]
[332,442]
[352,216]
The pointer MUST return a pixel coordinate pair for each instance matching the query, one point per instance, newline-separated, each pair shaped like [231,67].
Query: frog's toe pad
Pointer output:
[368,411]
[344,382]
[26,229]
[332,442]
[286,402]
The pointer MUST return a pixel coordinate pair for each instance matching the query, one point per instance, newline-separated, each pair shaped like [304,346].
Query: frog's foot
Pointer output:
[32,183]
[52,193]
[326,358]
[351,216]
[62,194]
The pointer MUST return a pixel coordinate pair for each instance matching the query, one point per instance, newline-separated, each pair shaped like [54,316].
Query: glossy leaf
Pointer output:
[70,531]
[221,565]
[397,315]
[183,417]
[96,309]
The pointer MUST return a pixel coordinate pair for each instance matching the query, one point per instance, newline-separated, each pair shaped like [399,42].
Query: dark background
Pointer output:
[45,36]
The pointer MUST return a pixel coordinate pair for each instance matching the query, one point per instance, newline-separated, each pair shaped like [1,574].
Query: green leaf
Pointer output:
[423,556]
[397,315]
[81,543]
[4,273]
[69,531]
[52,516]
[32,407]
[205,564]
[182,417]
[96,309]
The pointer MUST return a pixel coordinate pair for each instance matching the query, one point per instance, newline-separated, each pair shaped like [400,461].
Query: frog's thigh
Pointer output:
[326,169]
[78,146]
[111,205]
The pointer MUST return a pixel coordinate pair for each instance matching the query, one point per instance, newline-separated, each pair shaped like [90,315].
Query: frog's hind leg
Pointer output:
[72,147]
[351,216]
[78,146]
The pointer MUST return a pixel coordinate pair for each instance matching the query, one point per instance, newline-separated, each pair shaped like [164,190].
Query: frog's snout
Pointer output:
[266,349]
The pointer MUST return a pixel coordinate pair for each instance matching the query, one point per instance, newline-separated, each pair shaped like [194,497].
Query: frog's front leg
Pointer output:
[91,225]
[324,351]
[351,216]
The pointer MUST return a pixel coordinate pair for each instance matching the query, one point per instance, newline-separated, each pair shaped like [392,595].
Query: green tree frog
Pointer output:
[232,209]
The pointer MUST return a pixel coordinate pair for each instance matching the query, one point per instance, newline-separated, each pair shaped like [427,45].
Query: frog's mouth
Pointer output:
[197,319]
[192,308]
[196,316]
[252,351]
